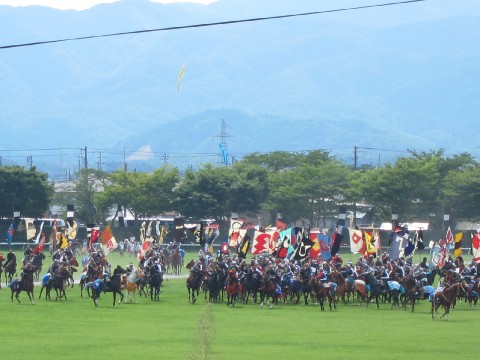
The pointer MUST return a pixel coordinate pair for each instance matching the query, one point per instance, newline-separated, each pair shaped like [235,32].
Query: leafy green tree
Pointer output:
[274,161]
[27,191]
[89,206]
[309,190]
[143,194]
[215,192]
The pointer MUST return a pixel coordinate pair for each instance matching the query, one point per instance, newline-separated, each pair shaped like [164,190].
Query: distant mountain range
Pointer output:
[383,79]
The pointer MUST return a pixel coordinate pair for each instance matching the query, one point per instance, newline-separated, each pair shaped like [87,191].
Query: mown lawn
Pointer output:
[174,329]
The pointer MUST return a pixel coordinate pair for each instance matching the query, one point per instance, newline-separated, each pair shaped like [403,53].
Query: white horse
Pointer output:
[131,284]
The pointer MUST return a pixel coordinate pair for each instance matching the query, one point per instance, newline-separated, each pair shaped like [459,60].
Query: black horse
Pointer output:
[111,284]
[25,283]
[37,261]
[193,286]
[10,268]
[155,280]
[252,282]
[375,288]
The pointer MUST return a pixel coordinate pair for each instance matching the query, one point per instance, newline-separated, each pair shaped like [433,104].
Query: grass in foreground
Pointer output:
[174,329]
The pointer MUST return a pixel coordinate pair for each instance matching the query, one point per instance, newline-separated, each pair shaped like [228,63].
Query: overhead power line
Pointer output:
[229,22]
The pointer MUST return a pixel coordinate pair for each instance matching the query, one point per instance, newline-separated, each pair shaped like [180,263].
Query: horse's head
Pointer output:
[119,270]
[73,261]
[190,264]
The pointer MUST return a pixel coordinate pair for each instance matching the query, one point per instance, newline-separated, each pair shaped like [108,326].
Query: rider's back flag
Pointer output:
[458,244]
[337,239]
[9,234]
[244,247]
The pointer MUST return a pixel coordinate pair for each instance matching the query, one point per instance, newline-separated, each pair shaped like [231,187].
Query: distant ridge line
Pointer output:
[229,22]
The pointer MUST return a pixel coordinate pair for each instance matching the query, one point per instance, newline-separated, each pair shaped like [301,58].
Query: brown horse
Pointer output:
[24,284]
[337,277]
[445,298]
[234,288]
[176,262]
[323,292]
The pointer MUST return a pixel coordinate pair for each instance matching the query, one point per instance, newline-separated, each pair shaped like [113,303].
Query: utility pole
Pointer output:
[124,160]
[83,155]
[100,161]
[30,161]
[164,157]
[223,143]
[355,160]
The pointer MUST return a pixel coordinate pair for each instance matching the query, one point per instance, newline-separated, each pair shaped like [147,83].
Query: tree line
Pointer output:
[299,185]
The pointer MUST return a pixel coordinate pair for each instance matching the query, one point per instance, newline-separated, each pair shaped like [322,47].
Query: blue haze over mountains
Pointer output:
[383,79]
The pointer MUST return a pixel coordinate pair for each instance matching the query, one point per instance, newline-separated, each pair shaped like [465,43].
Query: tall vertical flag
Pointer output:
[63,241]
[199,234]
[234,232]
[449,238]
[93,232]
[458,244]
[419,240]
[263,242]
[108,241]
[370,248]
[39,240]
[30,229]
[244,247]
[337,239]
[357,243]
[41,243]
[280,225]
[180,231]
[9,234]
[283,243]
[54,234]
[476,247]
[302,251]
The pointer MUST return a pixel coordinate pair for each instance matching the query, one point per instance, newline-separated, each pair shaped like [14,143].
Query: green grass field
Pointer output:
[174,329]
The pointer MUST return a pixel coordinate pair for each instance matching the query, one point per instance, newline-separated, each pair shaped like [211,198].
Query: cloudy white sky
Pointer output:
[82,4]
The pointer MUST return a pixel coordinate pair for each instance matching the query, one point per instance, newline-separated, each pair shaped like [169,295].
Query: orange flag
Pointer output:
[106,235]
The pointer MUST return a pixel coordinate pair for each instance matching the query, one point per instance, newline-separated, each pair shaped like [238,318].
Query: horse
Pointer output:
[131,284]
[194,281]
[37,261]
[305,277]
[113,285]
[291,288]
[445,298]
[323,291]
[176,262]
[234,288]
[10,270]
[375,288]
[252,281]
[215,284]
[270,289]
[24,284]
[412,291]
[337,277]
[155,280]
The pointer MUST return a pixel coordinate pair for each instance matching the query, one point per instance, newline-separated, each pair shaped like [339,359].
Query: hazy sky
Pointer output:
[83,4]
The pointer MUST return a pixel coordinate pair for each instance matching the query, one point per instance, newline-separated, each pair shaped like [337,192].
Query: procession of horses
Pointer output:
[398,283]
